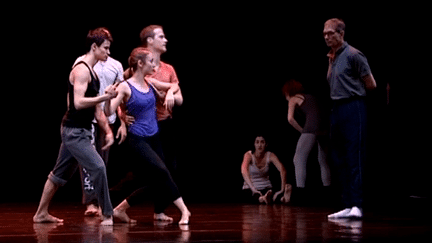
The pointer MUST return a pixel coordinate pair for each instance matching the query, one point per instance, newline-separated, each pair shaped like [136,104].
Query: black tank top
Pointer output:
[81,118]
[315,121]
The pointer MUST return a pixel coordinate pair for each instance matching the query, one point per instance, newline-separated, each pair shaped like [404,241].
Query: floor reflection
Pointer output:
[42,231]
[215,223]
[349,228]
[92,231]
[284,223]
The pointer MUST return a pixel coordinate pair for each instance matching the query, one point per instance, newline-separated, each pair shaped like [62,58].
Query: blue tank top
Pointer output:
[142,106]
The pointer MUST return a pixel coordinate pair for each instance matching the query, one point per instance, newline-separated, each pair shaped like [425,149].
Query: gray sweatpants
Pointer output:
[304,146]
[76,149]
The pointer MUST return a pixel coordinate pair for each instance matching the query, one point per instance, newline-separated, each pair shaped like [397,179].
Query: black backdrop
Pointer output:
[231,63]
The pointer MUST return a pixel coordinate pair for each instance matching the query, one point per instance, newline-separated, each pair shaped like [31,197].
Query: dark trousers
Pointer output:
[167,133]
[151,171]
[348,147]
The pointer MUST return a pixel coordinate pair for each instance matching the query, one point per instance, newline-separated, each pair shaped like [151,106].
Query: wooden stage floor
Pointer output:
[213,223]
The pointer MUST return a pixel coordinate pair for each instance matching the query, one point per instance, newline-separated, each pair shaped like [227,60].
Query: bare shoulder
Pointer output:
[298,99]
[270,154]
[80,73]
[273,157]
[247,156]
[123,87]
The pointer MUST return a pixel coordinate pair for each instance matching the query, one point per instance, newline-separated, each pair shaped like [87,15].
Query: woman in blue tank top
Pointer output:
[138,95]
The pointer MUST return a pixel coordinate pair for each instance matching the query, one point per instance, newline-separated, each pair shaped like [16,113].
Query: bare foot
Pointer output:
[107,221]
[268,196]
[123,217]
[162,217]
[93,211]
[286,198]
[185,218]
[46,218]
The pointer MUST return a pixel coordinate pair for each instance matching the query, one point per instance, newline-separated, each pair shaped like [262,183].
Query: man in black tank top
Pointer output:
[76,148]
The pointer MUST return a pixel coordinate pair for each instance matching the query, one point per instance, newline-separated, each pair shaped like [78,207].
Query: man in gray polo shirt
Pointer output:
[349,76]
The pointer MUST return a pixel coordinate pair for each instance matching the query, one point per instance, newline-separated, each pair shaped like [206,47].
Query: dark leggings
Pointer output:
[151,168]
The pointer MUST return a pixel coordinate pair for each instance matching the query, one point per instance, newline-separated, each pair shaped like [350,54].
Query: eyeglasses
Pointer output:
[329,33]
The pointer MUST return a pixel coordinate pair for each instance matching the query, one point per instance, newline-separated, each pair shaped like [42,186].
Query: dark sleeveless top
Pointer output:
[313,116]
[81,118]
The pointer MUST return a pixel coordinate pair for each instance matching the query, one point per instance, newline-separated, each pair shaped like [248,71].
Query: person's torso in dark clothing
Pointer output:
[81,118]
[313,114]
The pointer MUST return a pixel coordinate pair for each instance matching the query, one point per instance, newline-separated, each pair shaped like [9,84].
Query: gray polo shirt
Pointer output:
[346,69]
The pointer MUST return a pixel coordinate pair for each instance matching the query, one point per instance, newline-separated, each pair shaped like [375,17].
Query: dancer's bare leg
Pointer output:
[120,213]
[183,209]
[287,194]
[42,215]
[267,198]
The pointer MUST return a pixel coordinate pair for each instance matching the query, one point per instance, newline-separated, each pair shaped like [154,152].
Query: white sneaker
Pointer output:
[355,213]
[341,214]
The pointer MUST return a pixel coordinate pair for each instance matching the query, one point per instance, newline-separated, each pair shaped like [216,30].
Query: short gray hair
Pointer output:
[339,24]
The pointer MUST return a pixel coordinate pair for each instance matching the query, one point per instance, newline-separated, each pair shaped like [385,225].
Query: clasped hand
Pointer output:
[169,101]
[111,90]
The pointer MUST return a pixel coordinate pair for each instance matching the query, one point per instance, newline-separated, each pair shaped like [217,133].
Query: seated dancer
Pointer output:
[137,96]
[255,170]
